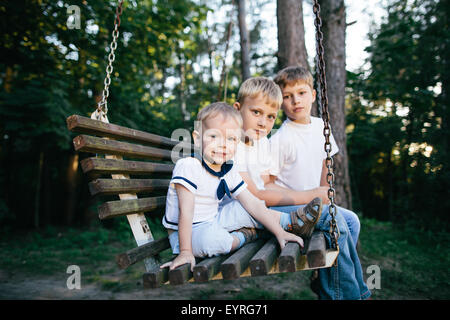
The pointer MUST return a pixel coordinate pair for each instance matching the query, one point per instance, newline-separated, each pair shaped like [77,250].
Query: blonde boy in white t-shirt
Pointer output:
[192,217]
[259,100]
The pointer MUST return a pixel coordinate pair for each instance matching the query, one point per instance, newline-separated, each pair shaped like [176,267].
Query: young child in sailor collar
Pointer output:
[195,225]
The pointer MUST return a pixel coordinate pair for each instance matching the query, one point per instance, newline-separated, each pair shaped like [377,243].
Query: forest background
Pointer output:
[389,116]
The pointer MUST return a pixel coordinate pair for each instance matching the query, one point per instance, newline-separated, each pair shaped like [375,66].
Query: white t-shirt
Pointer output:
[300,150]
[257,160]
[190,173]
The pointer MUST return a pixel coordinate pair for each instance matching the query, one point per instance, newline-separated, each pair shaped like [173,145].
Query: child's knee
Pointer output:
[357,222]
[353,220]
[342,224]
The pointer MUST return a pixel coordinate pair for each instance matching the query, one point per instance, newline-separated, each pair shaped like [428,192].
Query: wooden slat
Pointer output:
[119,186]
[120,208]
[138,223]
[112,166]
[180,275]
[238,262]
[89,126]
[134,255]
[155,278]
[91,144]
[208,268]
[263,260]
[289,257]
[316,252]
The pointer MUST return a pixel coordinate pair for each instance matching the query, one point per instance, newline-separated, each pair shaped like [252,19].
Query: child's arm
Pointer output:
[323,176]
[186,205]
[275,195]
[268,218]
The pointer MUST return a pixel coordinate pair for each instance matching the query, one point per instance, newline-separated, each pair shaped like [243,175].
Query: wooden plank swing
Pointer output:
[129,153]
[258,258]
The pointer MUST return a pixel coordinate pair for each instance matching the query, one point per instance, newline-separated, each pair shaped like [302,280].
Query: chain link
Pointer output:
[102,106]
[323,101]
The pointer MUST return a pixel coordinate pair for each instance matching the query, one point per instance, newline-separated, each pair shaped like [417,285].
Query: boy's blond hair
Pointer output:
[214,109]
[252,87]
[292,75]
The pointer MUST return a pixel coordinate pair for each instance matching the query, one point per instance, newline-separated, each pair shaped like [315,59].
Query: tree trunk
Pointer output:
[224,65]
[184,112]
[8,79]
[245,43]
[291,37]
[291,34]
[333,27]
[37,195]
[72,189]
[47,199]
[210,57]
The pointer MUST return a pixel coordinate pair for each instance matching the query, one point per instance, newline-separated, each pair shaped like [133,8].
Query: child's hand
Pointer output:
[285,237]
[322,193]
[183,258]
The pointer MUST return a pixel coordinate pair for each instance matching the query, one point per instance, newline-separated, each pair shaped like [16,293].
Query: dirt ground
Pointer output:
[120,286]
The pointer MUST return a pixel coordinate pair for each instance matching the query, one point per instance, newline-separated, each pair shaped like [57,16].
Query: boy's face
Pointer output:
[219,139]
[258,116]
[297,101]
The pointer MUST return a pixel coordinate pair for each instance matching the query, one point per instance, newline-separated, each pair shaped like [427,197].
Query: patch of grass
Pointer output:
[51,250]
[269,293]
[203,294]
[413,262]
[254,293]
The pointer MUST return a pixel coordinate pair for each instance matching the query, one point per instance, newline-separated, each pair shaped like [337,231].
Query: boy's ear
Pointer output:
[314,95]
[196,137]
[237,106]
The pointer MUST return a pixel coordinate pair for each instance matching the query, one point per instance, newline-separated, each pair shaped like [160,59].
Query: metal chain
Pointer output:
[323,101]
[102,106]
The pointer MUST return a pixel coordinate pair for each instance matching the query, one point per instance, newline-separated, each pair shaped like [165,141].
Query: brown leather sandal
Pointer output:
[313,208]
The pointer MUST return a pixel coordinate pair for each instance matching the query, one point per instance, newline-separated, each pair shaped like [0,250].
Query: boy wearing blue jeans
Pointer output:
[299,142]
[258,101]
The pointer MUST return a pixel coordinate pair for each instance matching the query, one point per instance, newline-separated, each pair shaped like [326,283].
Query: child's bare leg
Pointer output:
[236,242]
[243,235]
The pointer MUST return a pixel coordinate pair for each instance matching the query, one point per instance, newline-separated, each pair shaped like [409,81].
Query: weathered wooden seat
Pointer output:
[130,153]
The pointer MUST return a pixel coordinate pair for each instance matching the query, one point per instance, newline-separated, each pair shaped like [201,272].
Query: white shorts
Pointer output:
[212,238]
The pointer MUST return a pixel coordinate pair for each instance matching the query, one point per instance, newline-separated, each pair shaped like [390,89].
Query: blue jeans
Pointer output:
[352,220]
[344,281]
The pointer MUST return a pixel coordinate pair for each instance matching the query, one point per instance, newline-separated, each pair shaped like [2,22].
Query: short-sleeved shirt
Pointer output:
[190,173]
[300,154]
[256,160]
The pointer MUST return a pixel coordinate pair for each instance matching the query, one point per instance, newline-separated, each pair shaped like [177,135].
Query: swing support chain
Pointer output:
[334,230]
[102,106]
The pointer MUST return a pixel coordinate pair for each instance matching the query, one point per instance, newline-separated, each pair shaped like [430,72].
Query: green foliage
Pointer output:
[49,72]
[53,249]
[413,261]
[398,120]
[169,53]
